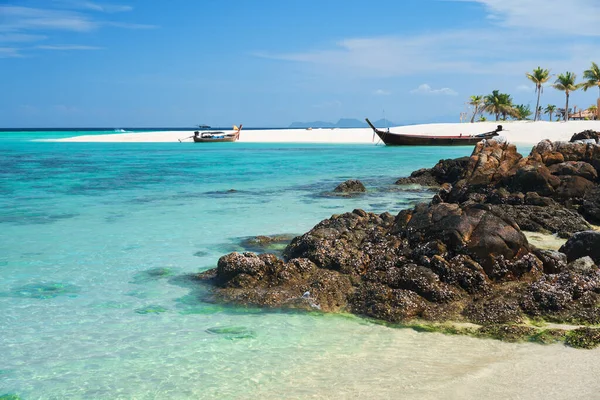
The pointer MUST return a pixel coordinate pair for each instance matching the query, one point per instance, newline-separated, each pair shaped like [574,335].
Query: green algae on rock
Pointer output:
[507,333]
[549,336]
[583,338]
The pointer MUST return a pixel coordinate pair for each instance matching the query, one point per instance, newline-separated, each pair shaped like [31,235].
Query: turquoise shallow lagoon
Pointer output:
[95,242]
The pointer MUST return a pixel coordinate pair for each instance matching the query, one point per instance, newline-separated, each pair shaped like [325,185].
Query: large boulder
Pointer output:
[445,171]
[491,162]
[575,168]
[473,230]
[582,244]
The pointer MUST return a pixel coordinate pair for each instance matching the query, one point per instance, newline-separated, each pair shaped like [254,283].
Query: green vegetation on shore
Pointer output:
[501,105]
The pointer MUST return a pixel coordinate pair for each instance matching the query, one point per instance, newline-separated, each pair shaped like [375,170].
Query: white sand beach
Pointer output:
[521,132]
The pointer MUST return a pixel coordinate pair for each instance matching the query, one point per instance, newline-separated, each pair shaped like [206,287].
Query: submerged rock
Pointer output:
[153,274]
[350,186]
[262,244]
[151,309]
[232,332]
[45,290]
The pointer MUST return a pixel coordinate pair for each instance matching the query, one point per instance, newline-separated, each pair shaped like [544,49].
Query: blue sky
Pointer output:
[73,63]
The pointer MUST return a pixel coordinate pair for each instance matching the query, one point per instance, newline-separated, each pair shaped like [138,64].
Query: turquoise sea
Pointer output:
[96,240]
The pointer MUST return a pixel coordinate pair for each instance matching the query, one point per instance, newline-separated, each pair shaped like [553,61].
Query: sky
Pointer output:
[268,63]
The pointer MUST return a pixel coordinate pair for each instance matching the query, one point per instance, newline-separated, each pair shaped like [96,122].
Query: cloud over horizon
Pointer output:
[518,36]
[21,24]
[426,89]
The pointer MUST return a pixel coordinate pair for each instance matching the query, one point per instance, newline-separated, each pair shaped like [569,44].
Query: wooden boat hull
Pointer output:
[217,136]
[215,140]
[398,139]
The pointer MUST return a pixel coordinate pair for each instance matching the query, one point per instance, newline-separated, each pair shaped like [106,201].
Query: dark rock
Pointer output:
[474,230]
[534,199]
[421,177]
[350,186]
[588,134]
[534,178]
[575,168]
[544,219]
[490,311]
[573,188]
[590,207]
[553,261]
[583,244]
[445,171]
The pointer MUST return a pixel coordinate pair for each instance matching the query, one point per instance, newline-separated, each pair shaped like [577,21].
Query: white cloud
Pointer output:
[576,17]
[426,89]
[26,18]
[29,24]
[381,92]
[107,8]
[68,47]
[20,37]
[126,25]
[9,52]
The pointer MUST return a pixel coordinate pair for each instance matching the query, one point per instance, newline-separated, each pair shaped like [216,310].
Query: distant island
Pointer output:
[342,123]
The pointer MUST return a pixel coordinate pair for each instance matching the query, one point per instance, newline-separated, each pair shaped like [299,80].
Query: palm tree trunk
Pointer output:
[550,117]
[474,114]
[537,106]
[567,108]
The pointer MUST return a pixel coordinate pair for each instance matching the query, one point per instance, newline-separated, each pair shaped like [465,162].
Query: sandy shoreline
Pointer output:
[523,132]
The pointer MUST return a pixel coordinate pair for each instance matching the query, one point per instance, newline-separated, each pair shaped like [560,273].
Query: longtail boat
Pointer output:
[401,139]
[217,136]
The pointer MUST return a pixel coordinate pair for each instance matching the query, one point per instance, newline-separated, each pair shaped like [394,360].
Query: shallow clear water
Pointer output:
[95,239]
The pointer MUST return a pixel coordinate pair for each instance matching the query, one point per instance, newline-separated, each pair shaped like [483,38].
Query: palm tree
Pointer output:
[566,83]
[592,78]
[475,101]
[594,110]
[498,104]
[523,111]
[550,108]
[539,76]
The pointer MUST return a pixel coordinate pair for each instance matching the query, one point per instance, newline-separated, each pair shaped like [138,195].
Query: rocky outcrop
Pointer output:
[433,262]
[462,257]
